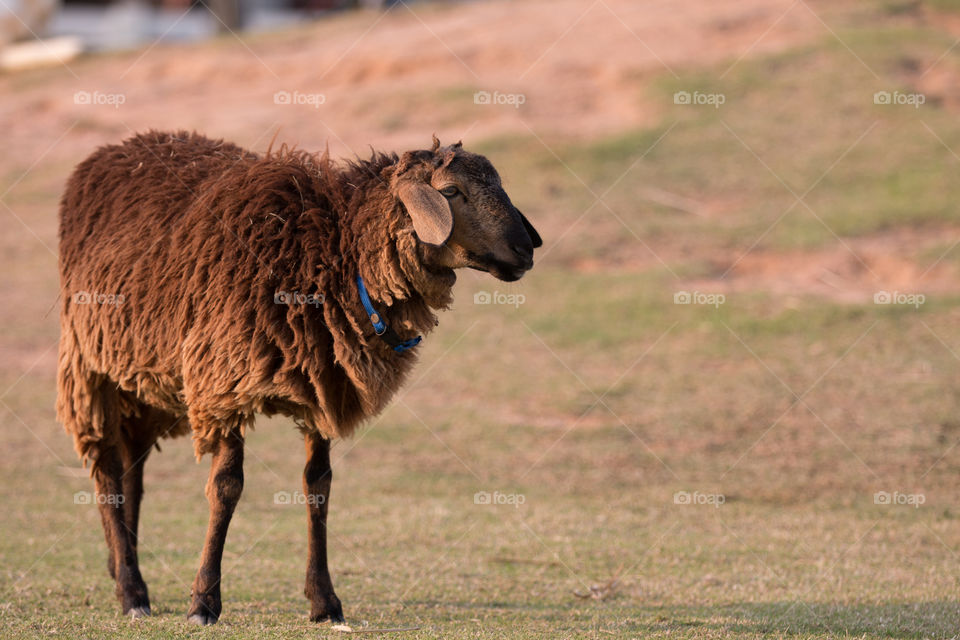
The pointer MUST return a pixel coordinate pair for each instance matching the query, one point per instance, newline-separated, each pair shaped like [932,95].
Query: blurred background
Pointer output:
[104,25]
[724,403]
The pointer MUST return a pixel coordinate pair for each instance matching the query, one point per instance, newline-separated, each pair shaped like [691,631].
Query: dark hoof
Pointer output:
[202,619]
[332,611]
[134,601]
[204,608]
[138,612]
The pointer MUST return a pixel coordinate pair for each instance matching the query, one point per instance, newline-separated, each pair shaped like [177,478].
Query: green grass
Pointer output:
[799,120]
[943,5]
[798,548]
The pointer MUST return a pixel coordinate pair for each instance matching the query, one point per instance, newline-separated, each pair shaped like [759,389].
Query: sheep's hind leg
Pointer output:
[317,477]
[223,492]
[111,501]
[136,446]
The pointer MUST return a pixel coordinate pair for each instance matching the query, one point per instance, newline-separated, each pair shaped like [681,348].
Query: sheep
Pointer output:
[203,284]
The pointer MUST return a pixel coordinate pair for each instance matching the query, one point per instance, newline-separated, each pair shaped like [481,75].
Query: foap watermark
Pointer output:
[696,297]
[899,98]
[498,498]
[486,297]
[86,497]
[95,297]
[902,499]
[511,99]
[298,497]
[296,97]
[291,298]
[97,98]
[699,98]
[898,297]
[698,498]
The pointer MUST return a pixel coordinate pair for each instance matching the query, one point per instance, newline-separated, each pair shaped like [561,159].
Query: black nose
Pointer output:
[525,253]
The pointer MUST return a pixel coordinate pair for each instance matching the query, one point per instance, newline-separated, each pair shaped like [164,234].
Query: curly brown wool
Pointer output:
[189,243]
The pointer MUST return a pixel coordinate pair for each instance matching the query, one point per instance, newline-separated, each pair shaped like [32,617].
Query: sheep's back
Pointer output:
[141,248]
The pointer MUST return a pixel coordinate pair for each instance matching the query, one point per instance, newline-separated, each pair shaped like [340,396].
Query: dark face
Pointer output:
[488,233]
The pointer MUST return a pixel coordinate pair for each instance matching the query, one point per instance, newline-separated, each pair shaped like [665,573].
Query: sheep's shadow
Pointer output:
[925,619]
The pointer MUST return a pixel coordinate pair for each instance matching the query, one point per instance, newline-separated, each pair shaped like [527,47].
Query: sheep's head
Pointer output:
[461,214]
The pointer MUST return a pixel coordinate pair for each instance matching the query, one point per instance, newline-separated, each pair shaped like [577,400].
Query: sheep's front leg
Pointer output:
[317,476]
[223,493]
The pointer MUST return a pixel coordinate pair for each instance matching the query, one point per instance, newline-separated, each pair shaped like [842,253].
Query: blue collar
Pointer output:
[387,334]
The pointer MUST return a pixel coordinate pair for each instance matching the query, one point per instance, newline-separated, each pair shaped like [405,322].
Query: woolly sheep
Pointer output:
[203,284]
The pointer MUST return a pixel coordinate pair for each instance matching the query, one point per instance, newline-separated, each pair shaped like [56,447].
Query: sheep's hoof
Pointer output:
[202,619]
[134,602]
[205,608]
[139,612]
[332,612]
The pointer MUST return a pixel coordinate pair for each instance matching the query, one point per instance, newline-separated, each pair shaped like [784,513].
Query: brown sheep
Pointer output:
[203,284]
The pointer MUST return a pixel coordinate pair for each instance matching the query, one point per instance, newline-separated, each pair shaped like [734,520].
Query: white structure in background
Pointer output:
[23,18]
[21,22]
[45,32]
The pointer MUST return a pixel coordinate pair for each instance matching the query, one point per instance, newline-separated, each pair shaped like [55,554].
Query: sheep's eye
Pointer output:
[449,192]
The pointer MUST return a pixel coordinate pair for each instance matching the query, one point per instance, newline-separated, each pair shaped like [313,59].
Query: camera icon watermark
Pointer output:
[902,499]
[698,98]
[899,98]
[510,99]
[498,498]
[698,498]
[696,297]
[95,297]
[298,497]
[897,297]
[297,98]
[291,298]
[512,299]
[97,98]
[86,497]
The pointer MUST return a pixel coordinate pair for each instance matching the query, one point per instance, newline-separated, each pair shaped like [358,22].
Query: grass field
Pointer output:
[778,461]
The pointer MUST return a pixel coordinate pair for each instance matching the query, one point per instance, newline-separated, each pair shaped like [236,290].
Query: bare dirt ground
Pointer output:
[580,66]
[852,271]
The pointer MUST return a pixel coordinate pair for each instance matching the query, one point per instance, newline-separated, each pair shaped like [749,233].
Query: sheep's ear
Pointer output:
[534,236]
[448,157]
[432,218]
